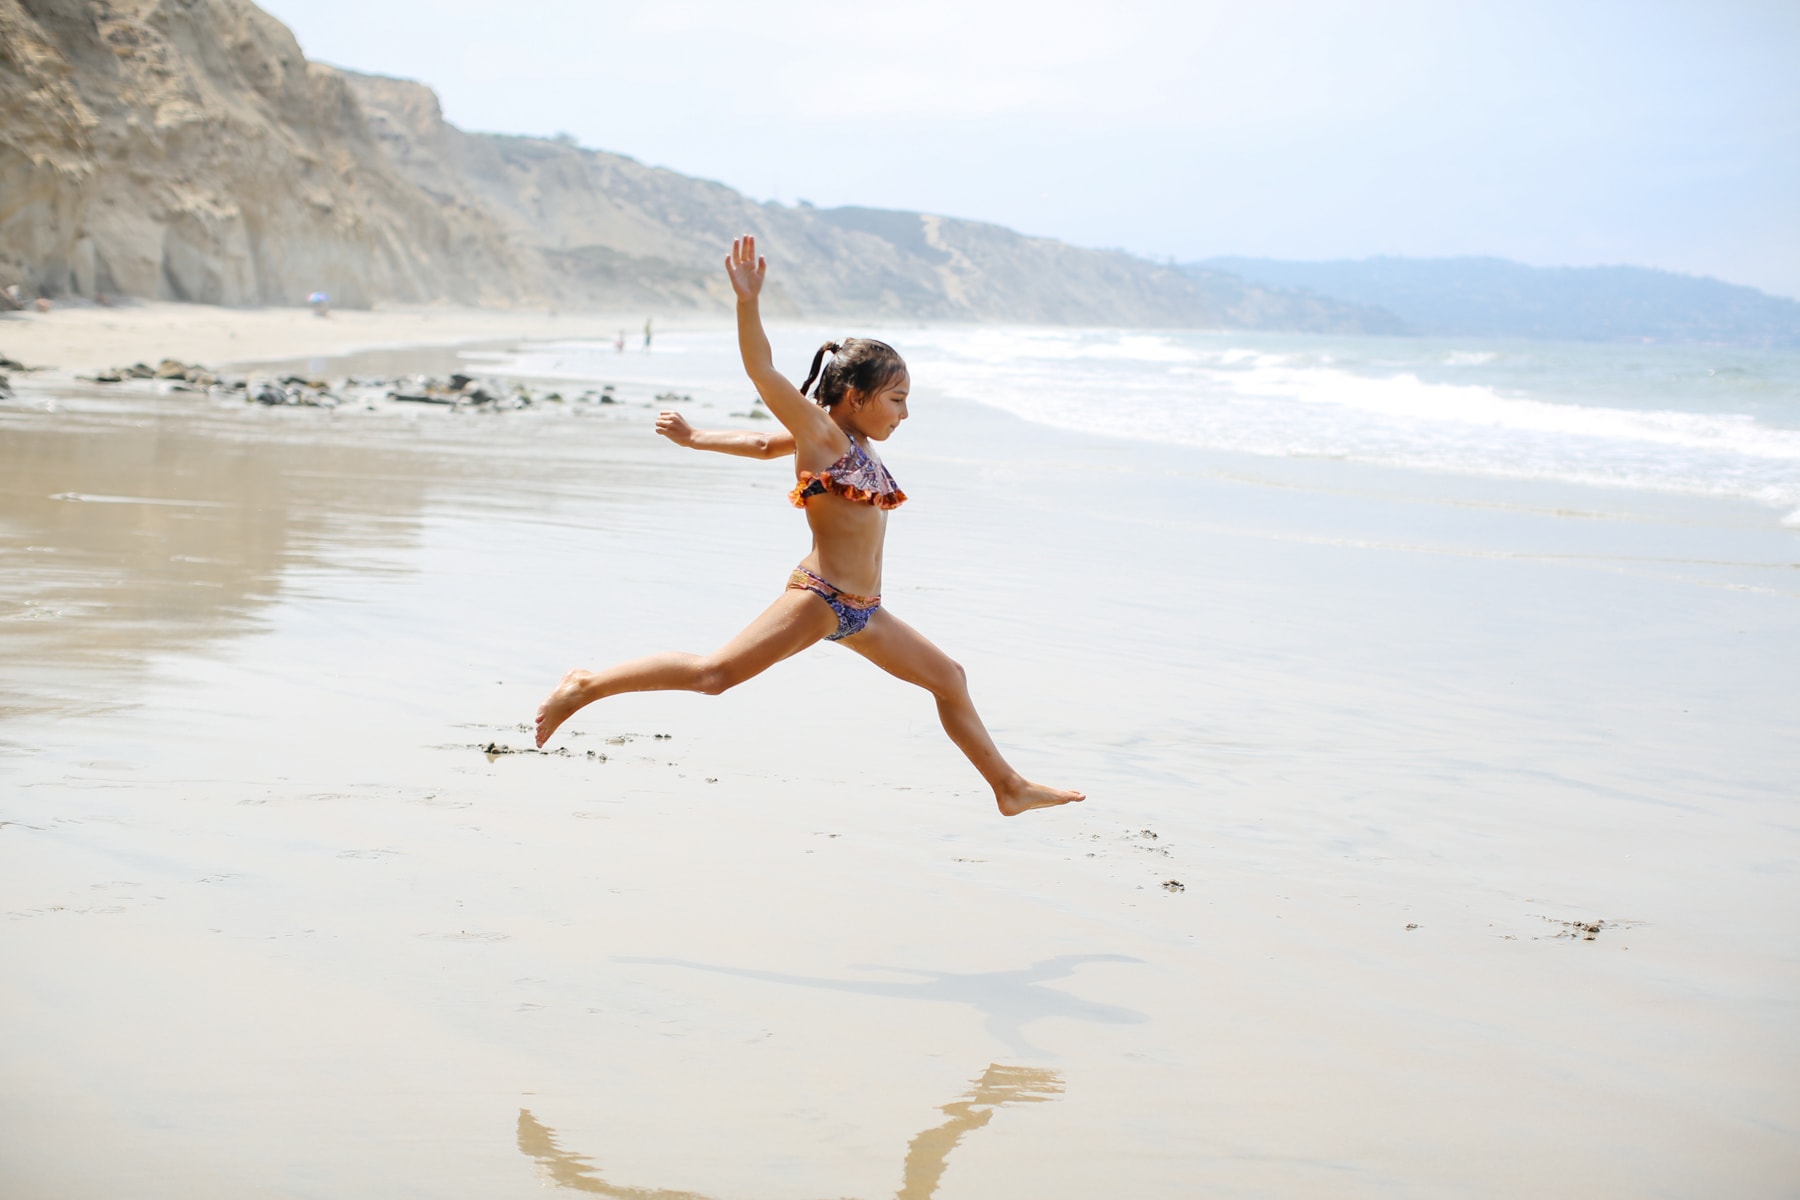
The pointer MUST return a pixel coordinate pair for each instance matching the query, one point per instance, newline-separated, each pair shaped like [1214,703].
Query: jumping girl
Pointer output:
[834,594]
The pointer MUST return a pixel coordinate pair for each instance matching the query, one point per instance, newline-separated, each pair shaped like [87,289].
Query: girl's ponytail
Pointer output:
[818,360]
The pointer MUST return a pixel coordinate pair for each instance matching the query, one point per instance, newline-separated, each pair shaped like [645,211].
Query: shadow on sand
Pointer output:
[1009,1000]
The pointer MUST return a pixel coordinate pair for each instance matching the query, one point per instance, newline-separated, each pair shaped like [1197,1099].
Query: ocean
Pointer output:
[1699,420]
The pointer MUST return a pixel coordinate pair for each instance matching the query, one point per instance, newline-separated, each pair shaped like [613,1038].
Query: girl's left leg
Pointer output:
[905,653]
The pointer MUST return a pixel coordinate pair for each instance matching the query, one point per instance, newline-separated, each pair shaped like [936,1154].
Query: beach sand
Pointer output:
[88,337]
[1440,838]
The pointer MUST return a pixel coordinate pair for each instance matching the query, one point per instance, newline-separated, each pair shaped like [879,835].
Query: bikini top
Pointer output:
[856,476]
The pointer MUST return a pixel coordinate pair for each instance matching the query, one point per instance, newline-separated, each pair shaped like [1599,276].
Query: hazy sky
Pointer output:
[1658,134]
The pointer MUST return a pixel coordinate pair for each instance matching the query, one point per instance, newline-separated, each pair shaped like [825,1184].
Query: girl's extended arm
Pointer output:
[805,420]
[744,443]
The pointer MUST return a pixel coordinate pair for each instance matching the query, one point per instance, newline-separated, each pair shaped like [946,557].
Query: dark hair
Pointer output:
[861,364]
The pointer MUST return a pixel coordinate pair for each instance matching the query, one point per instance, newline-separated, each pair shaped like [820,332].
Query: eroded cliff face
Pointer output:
[186,150]
[46,154]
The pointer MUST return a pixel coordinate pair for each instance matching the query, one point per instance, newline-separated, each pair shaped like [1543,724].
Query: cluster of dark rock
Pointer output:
[168,369]
[193,377]
[458,391]
[9,364]
[292,391]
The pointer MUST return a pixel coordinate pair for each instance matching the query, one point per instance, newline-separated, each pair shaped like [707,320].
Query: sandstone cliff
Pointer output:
[185,149]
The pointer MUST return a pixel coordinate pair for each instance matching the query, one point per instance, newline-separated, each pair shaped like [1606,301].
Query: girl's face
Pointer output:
[877,416]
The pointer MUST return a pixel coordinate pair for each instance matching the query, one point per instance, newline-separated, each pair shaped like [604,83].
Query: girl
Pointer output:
[834,594]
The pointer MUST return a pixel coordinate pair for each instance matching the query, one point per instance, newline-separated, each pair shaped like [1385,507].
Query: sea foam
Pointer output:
[1697,420]
[1591,415]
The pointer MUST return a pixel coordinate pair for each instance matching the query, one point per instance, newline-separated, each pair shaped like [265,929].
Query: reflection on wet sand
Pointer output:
[926,1155]
[135,523]
[128,533]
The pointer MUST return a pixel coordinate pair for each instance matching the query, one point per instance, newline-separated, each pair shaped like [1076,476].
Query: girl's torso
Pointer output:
[846,506]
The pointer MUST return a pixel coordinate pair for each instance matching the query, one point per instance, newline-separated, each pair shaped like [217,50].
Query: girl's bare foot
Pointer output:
[560,705]
[1028,795]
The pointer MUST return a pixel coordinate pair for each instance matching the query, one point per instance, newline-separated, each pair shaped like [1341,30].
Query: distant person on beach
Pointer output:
[646,334]
[321,304]
[834,594]
[620,344]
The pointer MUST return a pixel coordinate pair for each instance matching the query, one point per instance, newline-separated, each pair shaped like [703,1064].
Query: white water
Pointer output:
[1700,420]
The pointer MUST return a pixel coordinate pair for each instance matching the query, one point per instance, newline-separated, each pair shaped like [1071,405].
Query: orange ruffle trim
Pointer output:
[848,491]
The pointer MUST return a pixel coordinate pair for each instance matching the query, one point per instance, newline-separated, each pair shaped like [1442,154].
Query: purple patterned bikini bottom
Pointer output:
[853,611]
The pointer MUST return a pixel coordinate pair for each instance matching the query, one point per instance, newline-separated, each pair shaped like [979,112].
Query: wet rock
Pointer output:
[169,370]
[292,395]
[1173,885]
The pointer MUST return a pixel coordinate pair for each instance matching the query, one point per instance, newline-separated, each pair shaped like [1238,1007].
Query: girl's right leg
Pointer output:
[786,627]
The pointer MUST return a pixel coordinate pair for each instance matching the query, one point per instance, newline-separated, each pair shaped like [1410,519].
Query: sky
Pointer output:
[1568,133]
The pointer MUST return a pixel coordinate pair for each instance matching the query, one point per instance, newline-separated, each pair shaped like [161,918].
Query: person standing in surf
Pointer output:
[834,594]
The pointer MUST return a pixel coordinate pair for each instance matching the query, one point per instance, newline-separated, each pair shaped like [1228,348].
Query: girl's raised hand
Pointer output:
[746,270]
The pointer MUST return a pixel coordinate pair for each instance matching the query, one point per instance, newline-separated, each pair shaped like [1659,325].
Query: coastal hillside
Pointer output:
[1493,297]
[608,226]
[187,150]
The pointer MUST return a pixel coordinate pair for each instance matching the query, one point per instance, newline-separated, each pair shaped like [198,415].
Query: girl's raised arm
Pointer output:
[805,420]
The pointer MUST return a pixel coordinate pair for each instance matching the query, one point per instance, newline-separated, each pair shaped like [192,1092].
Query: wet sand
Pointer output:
[1440,838]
